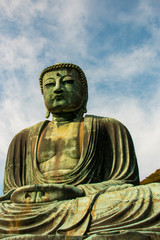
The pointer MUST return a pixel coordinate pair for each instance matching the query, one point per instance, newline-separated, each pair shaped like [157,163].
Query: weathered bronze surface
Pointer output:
[75,175]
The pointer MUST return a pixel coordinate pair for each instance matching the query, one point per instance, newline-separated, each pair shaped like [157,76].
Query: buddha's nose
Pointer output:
[58,88]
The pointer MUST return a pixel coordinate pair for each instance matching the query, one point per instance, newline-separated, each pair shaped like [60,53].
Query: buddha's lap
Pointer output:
[108,203]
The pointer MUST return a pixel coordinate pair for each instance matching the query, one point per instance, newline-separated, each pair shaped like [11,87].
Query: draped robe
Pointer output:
[107,172]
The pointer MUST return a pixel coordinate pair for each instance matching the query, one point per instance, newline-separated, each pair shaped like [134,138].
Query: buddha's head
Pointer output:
[64,88]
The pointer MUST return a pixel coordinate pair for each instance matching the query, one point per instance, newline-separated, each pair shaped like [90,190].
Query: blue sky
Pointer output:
[115,42]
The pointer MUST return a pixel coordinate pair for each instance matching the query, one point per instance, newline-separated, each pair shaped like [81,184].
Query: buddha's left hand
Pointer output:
[45,193]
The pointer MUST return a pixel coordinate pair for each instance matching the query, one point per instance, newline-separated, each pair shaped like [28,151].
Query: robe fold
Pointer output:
[107,172]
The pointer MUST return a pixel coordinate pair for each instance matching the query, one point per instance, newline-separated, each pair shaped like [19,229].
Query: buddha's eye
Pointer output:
[50,84]
[68,81]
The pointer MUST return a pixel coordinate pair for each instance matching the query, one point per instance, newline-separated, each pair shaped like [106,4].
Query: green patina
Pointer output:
[75,175]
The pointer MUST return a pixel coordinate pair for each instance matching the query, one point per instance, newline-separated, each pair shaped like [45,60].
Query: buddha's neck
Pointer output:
[62,118]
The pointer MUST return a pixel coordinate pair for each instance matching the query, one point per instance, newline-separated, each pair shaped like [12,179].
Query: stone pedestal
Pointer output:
[130,235]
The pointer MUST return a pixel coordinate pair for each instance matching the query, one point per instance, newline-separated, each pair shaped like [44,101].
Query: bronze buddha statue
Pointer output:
[75,175]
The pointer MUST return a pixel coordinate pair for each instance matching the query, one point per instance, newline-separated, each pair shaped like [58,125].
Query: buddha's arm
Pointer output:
[119,166]
[109,185]
[15,162]
[19,164]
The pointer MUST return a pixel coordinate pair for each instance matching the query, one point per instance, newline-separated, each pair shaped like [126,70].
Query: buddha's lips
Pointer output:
[58,97]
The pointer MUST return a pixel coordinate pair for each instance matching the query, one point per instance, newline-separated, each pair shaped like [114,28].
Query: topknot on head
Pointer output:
[82,76]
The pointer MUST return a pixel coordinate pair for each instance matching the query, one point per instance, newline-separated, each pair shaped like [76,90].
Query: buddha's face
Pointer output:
[62,90]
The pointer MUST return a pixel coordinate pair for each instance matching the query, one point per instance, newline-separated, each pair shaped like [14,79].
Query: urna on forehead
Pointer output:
[69,67]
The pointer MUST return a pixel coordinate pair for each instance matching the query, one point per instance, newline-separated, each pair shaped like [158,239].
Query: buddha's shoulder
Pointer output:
[104,120]
[34,129]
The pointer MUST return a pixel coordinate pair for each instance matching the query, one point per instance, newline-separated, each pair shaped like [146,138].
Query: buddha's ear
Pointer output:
[84,104]
[47,113]
[84,109]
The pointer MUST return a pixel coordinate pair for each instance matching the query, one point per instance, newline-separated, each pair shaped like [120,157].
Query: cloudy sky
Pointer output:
[115,42]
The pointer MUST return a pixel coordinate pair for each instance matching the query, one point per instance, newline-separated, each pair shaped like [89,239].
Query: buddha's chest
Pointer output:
[59,148]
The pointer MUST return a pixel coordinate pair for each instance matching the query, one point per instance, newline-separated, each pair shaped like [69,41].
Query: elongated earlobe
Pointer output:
[84,109]
[47,113]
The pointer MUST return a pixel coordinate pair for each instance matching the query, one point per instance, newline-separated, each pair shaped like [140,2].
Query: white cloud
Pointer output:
[127,66]
[64,30]
[143,14]
[20,52]
[21,12]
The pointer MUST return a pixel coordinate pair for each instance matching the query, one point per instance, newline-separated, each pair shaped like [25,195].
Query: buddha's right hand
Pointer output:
[45,193]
